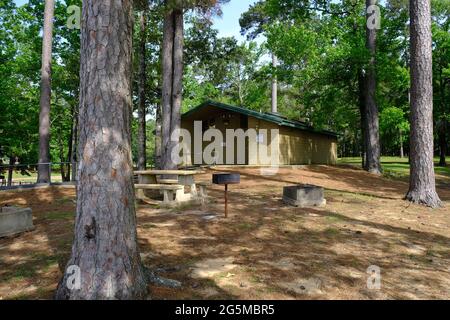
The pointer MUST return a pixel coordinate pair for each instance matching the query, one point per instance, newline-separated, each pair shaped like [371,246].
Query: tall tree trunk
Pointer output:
[44,115]
[167,83]
[105,245]
[172,85]
[372,128]
[363,115]
[177,86]
[158,140]
[274,85]
[422,187]
[10,170]
[73,158]
[142,147]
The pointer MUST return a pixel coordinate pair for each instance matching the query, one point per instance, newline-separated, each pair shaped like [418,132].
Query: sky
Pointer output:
[228,24]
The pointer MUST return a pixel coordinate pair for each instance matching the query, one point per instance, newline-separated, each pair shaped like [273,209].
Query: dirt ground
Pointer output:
[264,249]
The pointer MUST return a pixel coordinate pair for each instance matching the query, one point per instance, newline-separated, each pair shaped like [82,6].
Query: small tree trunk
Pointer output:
[373,164]
[44,115]
[158,134]
[274,85]
[362,112]
[73,158]
[402,154]
[105,249]
[422,187]
[10,170]
[443,144]
[142,148]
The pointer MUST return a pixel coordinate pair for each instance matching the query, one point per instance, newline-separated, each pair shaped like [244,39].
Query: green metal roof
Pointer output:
[270,117]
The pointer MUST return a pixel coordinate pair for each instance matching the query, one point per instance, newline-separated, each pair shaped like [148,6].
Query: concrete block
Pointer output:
[304,195]
[14,220]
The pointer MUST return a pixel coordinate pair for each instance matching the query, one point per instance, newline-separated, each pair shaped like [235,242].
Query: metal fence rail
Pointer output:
[26,174]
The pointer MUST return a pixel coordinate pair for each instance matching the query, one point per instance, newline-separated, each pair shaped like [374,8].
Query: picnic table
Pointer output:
[169,177]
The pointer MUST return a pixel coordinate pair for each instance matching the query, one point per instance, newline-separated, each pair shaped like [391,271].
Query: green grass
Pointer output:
[59,215]
[396,166]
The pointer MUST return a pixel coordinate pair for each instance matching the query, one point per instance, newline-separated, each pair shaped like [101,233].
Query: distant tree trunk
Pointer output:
[372,128]
[105,245]
[443,143]
[11,170]
[70,144]
[363,114]
[158,134]
[73,158]
[44,115]
[172,83]
[402,154]
[422,187]
[274,85]
[142,139]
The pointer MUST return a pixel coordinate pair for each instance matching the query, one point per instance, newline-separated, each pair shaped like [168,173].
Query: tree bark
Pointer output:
[105,245]
[44,115]
[373,164]
[172,84]
[175,120]
[167,83]
[142,145]
[422,187]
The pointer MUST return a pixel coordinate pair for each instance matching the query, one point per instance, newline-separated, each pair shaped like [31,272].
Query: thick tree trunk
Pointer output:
[373,164]
[177,87]
[142,139]
[172,68]
[274,85]
[44,115]
[422,187]
[105,246]
[167,83]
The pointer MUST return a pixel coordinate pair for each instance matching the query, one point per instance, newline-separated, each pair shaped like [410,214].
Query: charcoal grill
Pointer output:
[226,179]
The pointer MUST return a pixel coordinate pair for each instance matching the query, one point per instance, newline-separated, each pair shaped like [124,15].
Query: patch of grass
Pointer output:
[244,226]
[333,218]
[22,272]
[331,232]
[396,167]
[60,215]
[64,200]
